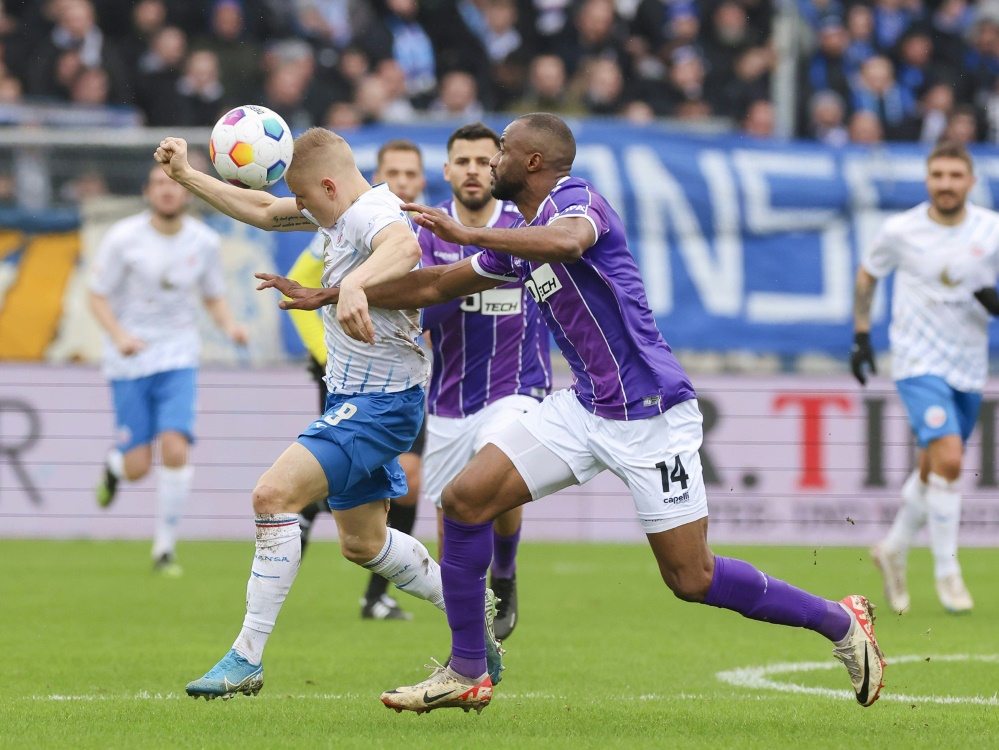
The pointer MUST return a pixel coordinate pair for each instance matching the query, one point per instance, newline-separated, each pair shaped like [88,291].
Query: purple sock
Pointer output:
[505,554]
[467,551]
[739,586]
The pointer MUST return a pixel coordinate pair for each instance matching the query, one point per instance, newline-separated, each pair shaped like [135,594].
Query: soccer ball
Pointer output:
[251,146]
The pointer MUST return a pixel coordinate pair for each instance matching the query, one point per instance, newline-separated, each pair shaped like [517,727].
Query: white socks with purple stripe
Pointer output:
[405,562]
[275,565]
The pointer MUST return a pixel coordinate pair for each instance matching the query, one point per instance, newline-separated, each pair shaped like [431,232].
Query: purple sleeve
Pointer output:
[580,201]
[495,265]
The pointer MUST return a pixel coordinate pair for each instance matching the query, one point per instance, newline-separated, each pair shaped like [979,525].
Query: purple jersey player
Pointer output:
[631,410]
[491,362]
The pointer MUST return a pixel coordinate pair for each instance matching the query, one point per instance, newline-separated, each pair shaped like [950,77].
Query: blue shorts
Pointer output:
[935,409]
[145,407]
[358,442]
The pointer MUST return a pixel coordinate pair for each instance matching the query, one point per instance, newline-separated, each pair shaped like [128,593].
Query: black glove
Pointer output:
[989,299]
[861,354]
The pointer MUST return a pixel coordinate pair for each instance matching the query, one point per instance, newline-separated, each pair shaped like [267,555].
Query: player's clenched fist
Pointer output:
[172,155]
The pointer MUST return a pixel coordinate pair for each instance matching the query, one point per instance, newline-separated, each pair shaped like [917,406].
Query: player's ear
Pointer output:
[534,162]
[330,187]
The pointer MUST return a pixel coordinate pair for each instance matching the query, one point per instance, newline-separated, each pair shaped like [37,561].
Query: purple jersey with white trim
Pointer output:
[598,312]
[494,345]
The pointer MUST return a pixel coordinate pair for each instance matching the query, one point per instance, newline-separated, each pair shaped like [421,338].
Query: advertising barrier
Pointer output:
[787,460]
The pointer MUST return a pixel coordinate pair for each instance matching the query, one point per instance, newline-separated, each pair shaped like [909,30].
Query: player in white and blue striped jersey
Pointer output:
[945,255]
[375,406]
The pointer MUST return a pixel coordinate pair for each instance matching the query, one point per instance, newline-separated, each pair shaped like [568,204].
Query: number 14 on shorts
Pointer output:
[676,475]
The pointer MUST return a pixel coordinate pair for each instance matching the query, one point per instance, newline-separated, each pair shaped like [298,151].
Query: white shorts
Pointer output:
[560,444]
[451,442]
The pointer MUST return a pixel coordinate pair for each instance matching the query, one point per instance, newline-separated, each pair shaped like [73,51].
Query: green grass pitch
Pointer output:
[96,653]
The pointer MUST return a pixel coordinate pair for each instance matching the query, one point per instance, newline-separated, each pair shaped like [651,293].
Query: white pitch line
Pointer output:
[758,678]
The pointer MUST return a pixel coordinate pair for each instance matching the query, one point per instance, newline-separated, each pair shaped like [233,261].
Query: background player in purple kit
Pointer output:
[491,360]
[631,409]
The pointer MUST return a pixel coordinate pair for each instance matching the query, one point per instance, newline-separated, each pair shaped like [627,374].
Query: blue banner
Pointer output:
[744,244]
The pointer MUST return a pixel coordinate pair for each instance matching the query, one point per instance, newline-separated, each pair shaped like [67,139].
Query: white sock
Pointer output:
[174,487]
[275,565]
[116,462]
[911,516]
[944,503]
[405,562]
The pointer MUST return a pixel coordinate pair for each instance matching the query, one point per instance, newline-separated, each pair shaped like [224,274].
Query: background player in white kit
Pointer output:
[943,252]
[376,402]
[151,269]
[491,361]
[400,166]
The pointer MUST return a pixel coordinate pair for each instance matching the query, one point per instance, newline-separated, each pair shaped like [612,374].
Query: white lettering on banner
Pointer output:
[718,279]
[831,306]
[762,217]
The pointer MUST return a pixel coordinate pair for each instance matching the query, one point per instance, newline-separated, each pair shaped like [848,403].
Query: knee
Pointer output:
[949,467]
[269,499]
[174,453]
[689,583]
[136,467]
[458,505]
[358,549]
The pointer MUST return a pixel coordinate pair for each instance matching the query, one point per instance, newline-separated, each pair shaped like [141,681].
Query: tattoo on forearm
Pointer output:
[863,296]
[294,220]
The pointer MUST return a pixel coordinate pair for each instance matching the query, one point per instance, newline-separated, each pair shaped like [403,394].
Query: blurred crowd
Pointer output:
[867,71]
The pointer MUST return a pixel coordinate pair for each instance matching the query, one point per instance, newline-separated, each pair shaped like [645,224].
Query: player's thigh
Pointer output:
[294,481]
[931,406]
[548,445]
[450,444]
[658,459]
[135,422]
[174,396]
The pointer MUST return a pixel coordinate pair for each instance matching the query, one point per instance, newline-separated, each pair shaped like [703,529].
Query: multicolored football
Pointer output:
[251,146]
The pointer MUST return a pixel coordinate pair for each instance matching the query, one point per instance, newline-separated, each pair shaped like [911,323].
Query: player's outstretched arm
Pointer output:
[562,241]
[424,287]
[253,207]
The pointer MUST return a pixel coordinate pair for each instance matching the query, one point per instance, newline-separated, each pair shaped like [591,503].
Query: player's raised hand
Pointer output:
[352,312]
[298,297]
[172,156]
[441,223]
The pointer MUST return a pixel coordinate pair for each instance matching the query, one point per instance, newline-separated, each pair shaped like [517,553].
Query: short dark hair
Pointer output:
[951,150]
[399,144]
[476,131]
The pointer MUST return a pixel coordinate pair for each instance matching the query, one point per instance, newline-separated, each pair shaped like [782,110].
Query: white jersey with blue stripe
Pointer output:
[937,325]
[396,361]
